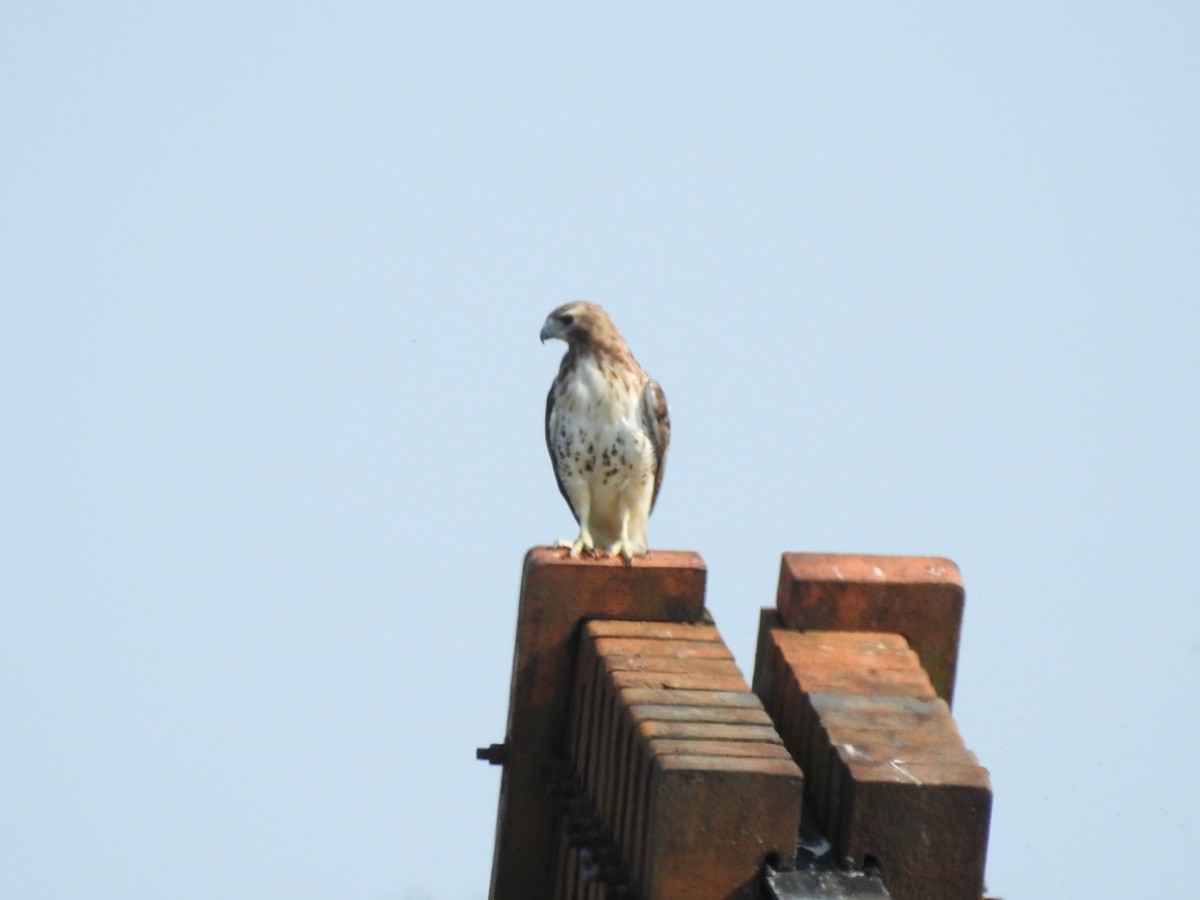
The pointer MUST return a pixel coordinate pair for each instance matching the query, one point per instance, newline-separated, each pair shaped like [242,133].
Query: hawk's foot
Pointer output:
[626,549]
[581,544]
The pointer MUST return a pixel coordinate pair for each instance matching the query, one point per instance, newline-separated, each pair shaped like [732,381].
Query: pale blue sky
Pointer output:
[916,278]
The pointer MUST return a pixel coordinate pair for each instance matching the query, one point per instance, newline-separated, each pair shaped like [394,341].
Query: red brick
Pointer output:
[648,729]
[678,657]
[708,741]
[656,701]
[764,749]
[689,664]
[866,642]
[820,711]
[710,822]
[635,696]
[718,715]
[646,733]
[881,659]
[879,705]
[679,681]
[584,712]
[763,679]
[557,593]
[938,735]
[825,650]
[873,682]
[886,773]
[845,762]
[673,631]
[918,597]
[617,738]
[651,647]
[926,824]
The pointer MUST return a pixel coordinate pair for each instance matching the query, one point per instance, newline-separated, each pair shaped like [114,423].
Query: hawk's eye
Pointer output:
[566,318]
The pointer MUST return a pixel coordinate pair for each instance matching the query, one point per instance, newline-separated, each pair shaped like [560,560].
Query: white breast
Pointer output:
[600,446]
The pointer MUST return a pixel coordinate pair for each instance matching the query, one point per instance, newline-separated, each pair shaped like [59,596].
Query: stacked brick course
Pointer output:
[557,594]
[639,764]
[687,779]
[889,779]
[919,597]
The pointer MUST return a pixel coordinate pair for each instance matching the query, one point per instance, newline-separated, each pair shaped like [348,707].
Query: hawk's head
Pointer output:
[579,323]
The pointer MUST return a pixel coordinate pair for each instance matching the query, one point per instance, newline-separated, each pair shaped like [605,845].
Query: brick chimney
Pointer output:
[638,763]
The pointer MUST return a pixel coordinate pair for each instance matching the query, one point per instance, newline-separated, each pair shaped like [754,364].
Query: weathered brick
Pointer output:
[926,824]
[918,597]
[700,747]
[641,721]
[886,771]
[690,665]
[651,698]
[653,655]
[707,731]
[679,681]
[634,661]
[693,739]
[868,682]
[861,731]
[878,705]
[621,749]
[557,593]
[866,642]
[701,699]
[682,649]
[618,740]
[710,821]
[764,655]
[825,651]
[840,761]
[832,662]
[719,715]
[605,628]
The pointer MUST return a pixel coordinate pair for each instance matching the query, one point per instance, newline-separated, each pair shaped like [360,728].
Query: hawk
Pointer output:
[607,431]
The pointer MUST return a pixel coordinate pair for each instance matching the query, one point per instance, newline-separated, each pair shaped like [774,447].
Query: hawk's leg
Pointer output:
[581,505]
[624,546]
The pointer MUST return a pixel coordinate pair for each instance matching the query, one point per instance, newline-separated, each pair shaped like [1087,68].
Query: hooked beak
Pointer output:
[551,329]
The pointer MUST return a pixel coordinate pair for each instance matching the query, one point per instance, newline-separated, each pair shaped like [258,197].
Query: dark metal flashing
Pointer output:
[823,884]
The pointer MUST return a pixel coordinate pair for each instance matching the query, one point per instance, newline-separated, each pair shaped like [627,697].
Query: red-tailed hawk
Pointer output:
[607,432]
